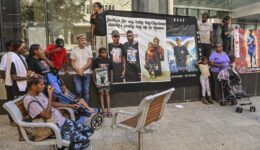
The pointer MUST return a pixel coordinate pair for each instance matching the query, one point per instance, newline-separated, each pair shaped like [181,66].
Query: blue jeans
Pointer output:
[82,85]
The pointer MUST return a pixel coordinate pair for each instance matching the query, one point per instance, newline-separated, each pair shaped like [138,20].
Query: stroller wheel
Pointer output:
[233,102]
[252,108]
[239,109]
[222,103]
[97,121]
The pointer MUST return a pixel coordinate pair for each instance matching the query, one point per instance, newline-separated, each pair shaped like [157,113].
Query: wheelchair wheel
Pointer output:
[97,121]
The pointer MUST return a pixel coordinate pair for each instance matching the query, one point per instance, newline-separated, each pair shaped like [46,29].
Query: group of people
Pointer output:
[214,61]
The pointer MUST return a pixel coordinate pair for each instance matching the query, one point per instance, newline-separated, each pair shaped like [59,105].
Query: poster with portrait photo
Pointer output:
[101,77]
[181,54]
[146,55]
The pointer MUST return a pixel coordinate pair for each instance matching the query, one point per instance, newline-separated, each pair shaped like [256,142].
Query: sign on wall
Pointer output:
[247,50]
[148,47]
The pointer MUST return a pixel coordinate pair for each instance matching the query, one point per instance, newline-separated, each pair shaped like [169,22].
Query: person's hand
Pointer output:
[42,55]
[79,72]
[50,90]
[74,106]
[123,74]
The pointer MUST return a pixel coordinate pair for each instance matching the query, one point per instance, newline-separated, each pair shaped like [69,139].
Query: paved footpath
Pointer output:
[194,127]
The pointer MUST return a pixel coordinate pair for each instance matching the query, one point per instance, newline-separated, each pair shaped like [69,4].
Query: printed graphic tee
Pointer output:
[204,31]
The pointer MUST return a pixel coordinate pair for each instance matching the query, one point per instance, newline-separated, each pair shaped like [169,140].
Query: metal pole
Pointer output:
[140,140]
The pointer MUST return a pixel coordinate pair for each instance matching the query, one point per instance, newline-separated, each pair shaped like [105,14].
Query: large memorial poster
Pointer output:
[247,51]
[148,47]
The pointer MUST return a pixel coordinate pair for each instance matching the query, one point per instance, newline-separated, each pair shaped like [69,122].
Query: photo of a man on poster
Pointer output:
[160,51]
[251,48]
[131,51]
[117,56]
[181,54]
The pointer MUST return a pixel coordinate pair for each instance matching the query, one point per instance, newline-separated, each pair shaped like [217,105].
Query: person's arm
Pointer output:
[65,62]
[58,104]
[92,28]
[14,76]
[47,113]
[94,76]
[49,51]
[124,66]
[211,35]
[88,65]
[75,68]
[43,57]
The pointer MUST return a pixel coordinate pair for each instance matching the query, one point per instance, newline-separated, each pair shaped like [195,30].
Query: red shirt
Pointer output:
[58,58]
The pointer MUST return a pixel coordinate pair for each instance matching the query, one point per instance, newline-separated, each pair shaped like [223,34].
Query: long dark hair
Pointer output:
[32,50]
[17,44]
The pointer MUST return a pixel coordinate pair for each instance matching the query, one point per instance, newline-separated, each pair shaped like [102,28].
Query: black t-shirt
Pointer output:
[101,63]
[225,28]
[39,66]
[116,55]
[180,55]
[131,52]
[99,20]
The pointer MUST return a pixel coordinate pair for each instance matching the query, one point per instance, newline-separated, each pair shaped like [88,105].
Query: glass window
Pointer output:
[193,12]
[213,14]
[33,22]
[222,14]
[182,11]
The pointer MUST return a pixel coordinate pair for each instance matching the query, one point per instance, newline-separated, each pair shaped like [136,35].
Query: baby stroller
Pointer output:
[96,120]
[232,90]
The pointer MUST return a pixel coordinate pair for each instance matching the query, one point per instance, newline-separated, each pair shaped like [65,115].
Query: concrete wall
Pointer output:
[247,10]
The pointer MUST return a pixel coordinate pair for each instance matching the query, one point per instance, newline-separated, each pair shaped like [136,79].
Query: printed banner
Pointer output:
[147,47]
[247,56]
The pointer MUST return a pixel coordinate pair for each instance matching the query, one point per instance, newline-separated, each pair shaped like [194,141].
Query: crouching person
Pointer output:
[77,133]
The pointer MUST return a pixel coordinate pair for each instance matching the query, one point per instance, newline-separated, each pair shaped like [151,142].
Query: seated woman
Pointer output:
[77,133]
[40,64]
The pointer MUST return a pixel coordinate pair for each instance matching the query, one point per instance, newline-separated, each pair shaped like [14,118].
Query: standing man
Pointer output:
[131,51]
[3,67]
[57,54]
[98,27]
[227,31]
[181,55]
[206,35]
[81,60]
[117,56]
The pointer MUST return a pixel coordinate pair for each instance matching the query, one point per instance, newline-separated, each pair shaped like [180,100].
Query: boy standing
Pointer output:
[103,76]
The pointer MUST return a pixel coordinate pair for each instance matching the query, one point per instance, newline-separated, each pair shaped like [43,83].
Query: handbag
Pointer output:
[38,133]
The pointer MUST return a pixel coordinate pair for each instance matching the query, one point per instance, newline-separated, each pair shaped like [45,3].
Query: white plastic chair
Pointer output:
[15,112]
[150,110]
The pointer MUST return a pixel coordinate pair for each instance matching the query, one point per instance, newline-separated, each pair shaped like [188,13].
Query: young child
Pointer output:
[151,60]
[204,79]
[103,76]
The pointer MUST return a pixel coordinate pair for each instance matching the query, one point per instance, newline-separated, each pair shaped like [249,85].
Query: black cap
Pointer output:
[115,32]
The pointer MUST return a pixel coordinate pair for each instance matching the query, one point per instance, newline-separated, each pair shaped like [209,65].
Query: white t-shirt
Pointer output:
[81,57]
[204,31]
[3,64]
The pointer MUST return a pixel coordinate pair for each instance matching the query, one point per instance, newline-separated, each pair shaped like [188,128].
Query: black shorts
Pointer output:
[205,49]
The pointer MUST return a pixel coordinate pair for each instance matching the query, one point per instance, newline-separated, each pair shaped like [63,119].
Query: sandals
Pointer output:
[109,114]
